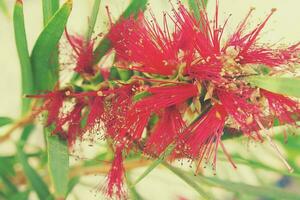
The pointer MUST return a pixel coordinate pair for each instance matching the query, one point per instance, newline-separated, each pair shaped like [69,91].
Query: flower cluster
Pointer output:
[187,87]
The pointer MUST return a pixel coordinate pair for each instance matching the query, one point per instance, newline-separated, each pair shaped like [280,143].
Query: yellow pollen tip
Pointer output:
[273,9]
[68,93]
[100,93]
[218,115]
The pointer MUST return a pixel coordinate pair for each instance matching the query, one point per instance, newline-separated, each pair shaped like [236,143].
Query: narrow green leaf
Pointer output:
[181,174]
[153,165]
[20,196]
[45,76]
[133,9]
[49,9]
[102,48]
[93,19]
[21,44]
[281,85]
[33,177]
[72,183]
[7,166]
[134,195]
[3,8]
[195,5]
[10,187]
[125,74]
[58,163]
[242,188]
[25,134]
[5,120]
[258,165]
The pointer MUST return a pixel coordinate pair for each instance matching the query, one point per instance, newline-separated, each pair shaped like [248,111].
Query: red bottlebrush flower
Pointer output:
[83,53]
[134,125]
[214,62]
[95,115]
[72,120]
[53,102]
[169,127]
[115,185]
[116,107]
[166,96]
[162,97]
[201,139]
[287,110]
[146,45]
[243,112]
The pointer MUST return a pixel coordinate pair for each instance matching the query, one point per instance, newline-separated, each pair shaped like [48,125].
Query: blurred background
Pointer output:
[258,165]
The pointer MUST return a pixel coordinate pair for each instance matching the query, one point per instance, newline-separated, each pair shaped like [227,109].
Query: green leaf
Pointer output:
[195,5]
[181,174]
[7,166]
[33,177]
[5,120]
[20,196]
[58,163]
[133,9]
[153,165]
[45,76]
[242,188]
[258,165]
[49,9]
[3,8]
[125,74]
[72,183]
[134,195]
[93,19]
[22,48]
[10,187]
[25,134]
[281,85]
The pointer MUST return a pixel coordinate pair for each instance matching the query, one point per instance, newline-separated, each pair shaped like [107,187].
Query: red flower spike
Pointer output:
[242,111]
[166,96]
[53,102]
[115,110]
[83,52]
[201,139]
[169,127]
[285,109]
[214,62]
[95,114]
[72,119]
[135,123]
[149,47]
[115,185]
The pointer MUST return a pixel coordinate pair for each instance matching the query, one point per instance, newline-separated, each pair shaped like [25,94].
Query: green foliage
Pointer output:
[195,5]
[3,7]
[21,44]
[282,85]
[45,75]
[33,177]
[93,19]
[49,9]
[154,164]
[58,163]
[5,120]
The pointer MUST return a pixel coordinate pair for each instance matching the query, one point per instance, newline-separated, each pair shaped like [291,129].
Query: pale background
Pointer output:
[283,26]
